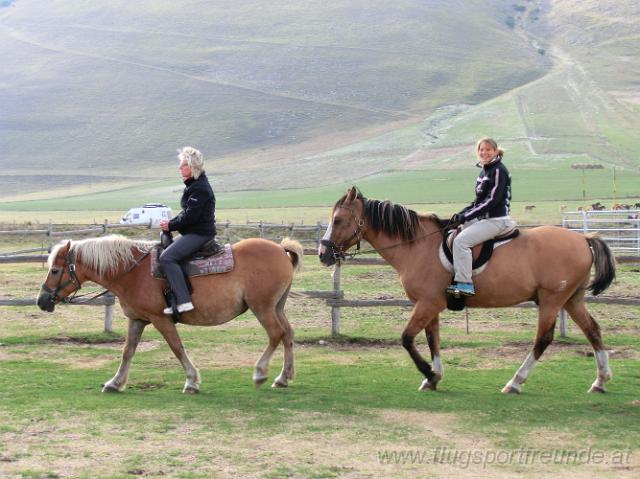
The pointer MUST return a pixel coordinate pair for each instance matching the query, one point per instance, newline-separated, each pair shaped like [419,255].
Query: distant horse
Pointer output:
[529,207]
[548,265]
[260,281]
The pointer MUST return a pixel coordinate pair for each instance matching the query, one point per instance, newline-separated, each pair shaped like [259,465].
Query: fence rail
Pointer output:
[310,235]
[620,229]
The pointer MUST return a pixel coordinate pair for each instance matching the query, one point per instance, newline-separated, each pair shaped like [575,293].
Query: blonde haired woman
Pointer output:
[196,224]
[486,217]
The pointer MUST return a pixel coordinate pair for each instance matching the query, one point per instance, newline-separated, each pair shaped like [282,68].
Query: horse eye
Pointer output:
[55,271]
[337,221]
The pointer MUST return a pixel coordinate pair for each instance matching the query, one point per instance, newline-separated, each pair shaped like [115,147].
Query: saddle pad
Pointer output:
[220,263]
[481,253]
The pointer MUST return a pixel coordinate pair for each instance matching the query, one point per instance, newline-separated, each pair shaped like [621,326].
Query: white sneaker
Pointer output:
[182,308]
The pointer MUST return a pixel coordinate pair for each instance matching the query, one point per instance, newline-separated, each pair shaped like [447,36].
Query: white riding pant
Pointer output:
[475,232]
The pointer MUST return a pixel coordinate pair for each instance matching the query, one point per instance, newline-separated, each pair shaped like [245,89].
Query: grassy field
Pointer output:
[353,411]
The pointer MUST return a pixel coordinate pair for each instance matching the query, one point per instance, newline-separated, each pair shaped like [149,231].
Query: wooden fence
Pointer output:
[309,236]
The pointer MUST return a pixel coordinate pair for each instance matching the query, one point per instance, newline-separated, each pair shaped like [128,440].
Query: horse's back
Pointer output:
[261,275]
[542,258]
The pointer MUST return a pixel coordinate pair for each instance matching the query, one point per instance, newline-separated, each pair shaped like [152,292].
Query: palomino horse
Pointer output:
[548,265]
[260,281]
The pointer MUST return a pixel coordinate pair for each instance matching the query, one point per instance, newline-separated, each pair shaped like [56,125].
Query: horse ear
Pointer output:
[65,249]
[352,194]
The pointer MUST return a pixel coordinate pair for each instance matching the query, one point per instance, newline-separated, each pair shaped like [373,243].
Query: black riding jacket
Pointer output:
[493,192]
[198,205]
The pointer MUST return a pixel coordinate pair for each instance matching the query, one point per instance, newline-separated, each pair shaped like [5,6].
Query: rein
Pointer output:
[395,245]
[71,267]
[341,254]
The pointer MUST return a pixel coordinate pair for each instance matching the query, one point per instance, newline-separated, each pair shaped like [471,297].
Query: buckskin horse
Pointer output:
[547,264]
[260,281]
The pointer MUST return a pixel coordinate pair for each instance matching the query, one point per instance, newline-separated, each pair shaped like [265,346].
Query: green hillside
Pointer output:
[292,102]
[113,88]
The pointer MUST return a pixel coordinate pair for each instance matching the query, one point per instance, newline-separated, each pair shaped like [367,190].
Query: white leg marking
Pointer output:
[604,372]
[516,382]
[192,383]
[437,366]
[438,370]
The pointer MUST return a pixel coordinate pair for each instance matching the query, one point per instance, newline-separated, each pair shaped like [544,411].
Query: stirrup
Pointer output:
[461,289]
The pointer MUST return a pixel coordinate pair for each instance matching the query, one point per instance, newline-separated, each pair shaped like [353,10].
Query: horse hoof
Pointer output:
[190,390]
[279,384]
[107,388]
[428,386]
[257,382]
[510,390]
[597,389]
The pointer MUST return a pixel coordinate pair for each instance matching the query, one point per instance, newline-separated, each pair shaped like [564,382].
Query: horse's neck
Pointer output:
[111,281]
[396,252]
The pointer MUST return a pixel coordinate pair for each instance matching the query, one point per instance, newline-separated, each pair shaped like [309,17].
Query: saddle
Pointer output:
[212,258]
[481,254]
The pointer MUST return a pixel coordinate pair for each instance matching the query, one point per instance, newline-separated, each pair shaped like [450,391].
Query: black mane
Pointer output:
[392,219]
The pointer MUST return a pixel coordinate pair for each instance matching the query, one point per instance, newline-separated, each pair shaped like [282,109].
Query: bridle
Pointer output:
[70,267]
[338,251]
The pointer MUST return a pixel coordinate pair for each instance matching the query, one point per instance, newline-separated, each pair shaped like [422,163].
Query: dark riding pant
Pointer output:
[181,248]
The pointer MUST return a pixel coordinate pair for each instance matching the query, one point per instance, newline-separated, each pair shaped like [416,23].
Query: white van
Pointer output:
[149,214]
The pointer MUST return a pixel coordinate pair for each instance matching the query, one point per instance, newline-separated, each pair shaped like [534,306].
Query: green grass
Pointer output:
[347,388]
[407,187]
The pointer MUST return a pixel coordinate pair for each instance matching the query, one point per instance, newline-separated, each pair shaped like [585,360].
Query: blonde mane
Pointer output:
[105,254]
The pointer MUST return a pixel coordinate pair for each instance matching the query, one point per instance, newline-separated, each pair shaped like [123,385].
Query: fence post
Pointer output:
[335,310]
[108,313]
[563,323]
[318,232]
[50,234]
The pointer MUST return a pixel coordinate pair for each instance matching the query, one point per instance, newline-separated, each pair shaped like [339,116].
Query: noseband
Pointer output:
[338,251]
[69,265]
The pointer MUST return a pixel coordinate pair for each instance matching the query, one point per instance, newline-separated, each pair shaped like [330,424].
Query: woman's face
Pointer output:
[185,170]
[486,153]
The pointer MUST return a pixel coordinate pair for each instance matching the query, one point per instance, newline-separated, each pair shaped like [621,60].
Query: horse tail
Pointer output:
[295,251]
[604,263]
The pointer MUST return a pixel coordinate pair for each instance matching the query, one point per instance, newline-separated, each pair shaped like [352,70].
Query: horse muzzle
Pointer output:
[46,302]
[329,253]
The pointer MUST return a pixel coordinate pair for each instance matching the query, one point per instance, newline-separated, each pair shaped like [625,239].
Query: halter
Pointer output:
[70,266]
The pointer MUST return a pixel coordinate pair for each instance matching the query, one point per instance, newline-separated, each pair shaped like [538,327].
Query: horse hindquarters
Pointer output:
[269,270]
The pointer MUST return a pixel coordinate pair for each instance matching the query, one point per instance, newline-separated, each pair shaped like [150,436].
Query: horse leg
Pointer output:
[134,333]
[420,319]
[546,325]
[578,312]
[288,371]
[433,340]
[170,334]
[270,322]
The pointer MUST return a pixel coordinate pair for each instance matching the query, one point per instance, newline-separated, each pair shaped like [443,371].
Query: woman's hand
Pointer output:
[164,225]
